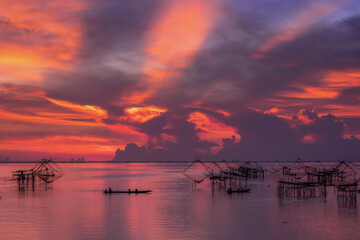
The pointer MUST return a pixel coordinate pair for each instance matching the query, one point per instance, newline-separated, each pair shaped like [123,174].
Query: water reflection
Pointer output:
[75,208]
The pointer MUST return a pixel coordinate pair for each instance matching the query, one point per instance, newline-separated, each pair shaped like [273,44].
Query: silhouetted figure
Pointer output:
[136,191]
[110,190]
[129,190]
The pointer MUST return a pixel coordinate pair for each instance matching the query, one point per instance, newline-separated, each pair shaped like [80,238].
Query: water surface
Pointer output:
[74,207]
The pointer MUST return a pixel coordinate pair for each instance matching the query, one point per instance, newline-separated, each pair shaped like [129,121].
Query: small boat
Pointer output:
[244,190]
[106,191]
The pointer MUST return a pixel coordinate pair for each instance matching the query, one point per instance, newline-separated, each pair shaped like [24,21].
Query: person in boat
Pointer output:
[129,190]
[136,191]
[110,190]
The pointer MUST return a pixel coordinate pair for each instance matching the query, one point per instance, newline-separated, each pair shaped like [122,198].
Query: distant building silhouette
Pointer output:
[4,159]
[79,160]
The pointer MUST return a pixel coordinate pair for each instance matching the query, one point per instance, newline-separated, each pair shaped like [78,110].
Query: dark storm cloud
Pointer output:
[116,26]
[161,149]
[94,85]
[352,125]
[267,137]
[349,96]
[264,137]
[225,76]
[154,127]
[260,17]
[326,129]
[332,46]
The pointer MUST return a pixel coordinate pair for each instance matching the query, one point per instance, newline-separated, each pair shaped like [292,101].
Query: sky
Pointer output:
[167,80]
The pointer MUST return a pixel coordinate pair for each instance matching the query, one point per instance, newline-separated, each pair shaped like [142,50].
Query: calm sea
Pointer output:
[74,207]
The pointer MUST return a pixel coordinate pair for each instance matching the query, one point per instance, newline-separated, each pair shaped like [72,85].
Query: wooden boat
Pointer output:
[245,190]
[106,191]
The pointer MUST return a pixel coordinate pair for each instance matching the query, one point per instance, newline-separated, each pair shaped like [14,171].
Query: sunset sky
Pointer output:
[166,80]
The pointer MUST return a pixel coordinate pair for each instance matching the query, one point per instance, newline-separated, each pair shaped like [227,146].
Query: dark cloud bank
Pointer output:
[264,137]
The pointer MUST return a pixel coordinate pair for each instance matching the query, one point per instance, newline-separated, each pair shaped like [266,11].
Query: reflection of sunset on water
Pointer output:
[75,207]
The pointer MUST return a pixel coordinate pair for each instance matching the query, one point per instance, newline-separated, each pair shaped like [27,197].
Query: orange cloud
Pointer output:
[173,39]
[143,114]
[310,93]
[323,96]
[211,129]
[329,87]
[309,139]
[298,25]
[67,113]
[225,113]
[92,111]
[66,120]
[273,110]
[304,118]
[47,36]
[48,119]
[343,110]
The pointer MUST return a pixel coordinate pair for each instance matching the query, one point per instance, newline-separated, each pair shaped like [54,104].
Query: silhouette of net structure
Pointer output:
[196,171]
[301,180]
[46,171]
[310,181]
[231,176]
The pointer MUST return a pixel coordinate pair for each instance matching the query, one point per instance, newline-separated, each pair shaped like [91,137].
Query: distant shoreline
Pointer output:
[176,162]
